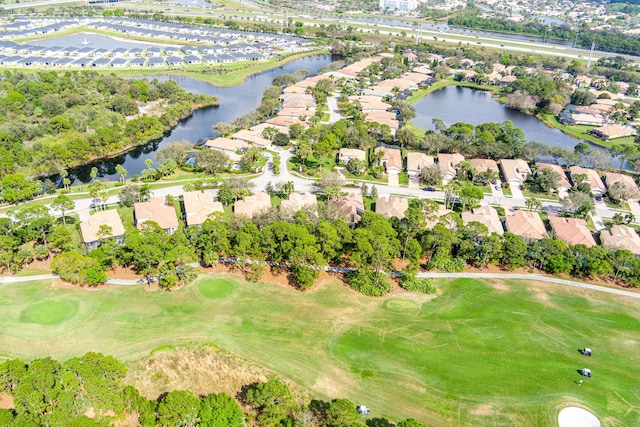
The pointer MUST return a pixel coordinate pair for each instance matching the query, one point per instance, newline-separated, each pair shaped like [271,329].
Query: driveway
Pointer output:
[334,111]
[516,193]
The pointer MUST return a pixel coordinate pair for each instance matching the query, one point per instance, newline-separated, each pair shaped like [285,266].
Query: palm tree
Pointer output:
[120,170]
[288,187]
[94,173]
[148,163]
[64,174]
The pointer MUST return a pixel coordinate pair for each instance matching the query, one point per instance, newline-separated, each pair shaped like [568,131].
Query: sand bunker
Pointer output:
[577,417]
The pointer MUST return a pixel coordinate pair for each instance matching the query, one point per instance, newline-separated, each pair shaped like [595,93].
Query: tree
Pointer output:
[543,181]
[224,129]
[578,205]
[624,152]
[73,266]
[64,174]
[148,163]
[63,204]
[273,400]
[356,166]
[94,191]
[341,413]
[120,170]
[178,408]
[281,139]
[220,410]
[533,204]
[288,187]
[470,195]
[93,174]
[211,161]
[17,188]
[175,151]
[410,422]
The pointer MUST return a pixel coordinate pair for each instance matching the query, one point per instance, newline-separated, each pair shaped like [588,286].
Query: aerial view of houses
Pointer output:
[395,213]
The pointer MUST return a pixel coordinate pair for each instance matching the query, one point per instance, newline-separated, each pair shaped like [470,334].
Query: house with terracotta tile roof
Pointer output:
[198,206]
[627,181]
[102,225]
[515,171]
[612,131]
[484,215]
[391,159]
[156,210]
[350,207]
[572,231]
[483,165]
[251,137]
[448,164]
[593,179]
[226,145]
[251,206]
[621,237]
[525,224]
[390,206]
[439,217]
[563,182]
[298,201]
[416,162]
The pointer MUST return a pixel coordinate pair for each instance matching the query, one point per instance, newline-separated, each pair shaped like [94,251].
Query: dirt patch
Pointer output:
[130,420]
[124,273]
[44,265]
[201,370]
[6,401]
[485,410]
[498,285]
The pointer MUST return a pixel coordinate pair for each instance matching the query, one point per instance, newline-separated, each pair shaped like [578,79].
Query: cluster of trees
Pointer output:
[606,40]
[72,117]
[89,391]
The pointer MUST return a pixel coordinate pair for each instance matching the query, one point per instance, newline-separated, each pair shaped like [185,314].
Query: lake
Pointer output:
[454,104]
[235,101]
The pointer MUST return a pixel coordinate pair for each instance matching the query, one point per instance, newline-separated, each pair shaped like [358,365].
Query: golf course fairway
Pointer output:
[483,352]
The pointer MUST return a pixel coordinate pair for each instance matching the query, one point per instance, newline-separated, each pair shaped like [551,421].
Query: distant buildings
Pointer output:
[398,5]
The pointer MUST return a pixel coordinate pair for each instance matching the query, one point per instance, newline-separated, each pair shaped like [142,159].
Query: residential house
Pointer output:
[621,237]
[298,201]
[633,192]
[253,205]
[389,206]
[563,183]
[251,137]
[515,171]
[484,215]
[391,159]
[526,224]
[448,164]
[227,145]
[351,207]
[572,231]
[198,206]
[102,225]
[416,162]
[158,211]
[346,154]
[593,179]
[612,131]
[507,80]
[484,165]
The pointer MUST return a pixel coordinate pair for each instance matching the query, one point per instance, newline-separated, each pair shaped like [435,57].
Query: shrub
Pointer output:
[365,283]
[413,284]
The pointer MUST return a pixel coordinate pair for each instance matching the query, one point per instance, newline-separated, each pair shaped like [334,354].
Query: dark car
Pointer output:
[429,189]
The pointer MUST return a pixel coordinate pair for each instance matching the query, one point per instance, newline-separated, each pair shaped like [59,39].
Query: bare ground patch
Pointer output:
[6,401]
[201,370]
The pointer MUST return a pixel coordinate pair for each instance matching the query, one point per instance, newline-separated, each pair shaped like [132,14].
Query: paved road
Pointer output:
[536,277]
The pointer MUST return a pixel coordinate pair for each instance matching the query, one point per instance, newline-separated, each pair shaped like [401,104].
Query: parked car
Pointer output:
[429,189]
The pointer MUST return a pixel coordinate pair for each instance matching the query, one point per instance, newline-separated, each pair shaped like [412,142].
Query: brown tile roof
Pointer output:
[418,161]
[564,181]
[515,169]
[252,205]
[484,215]
[621,237]
[572,231]
[285,121]
[392,157]
[448,162]
[374,116]
[595,183]
[350,206]
[613,131]
[613,177]
[198,206]
[389,206]
[158,211]
[91,227]
[526,224]
[298,201]
[226,144]
[483,165]
[253,137]
[442,211]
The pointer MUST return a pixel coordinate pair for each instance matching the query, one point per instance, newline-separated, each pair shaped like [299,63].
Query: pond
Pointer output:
[454,104]
[235,101]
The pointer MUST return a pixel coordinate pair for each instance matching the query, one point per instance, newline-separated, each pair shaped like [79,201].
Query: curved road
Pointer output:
[424,275]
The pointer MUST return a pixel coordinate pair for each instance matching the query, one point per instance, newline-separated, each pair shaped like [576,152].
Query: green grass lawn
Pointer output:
[582,132]
[493,353]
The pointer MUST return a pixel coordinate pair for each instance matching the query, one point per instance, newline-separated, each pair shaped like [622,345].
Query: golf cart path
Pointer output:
[424,275]
[536,277]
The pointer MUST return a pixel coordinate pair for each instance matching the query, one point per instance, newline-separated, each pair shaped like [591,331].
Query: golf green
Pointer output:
[483,352]
[48,312]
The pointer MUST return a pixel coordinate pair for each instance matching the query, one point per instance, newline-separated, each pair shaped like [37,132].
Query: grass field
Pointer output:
[481,353]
